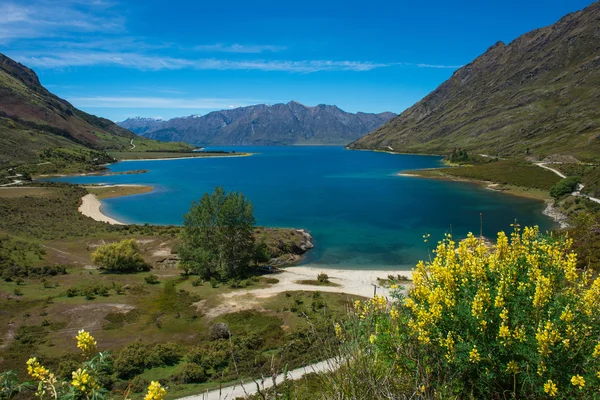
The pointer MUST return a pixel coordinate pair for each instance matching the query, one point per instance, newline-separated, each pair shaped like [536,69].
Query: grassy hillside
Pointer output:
[537,95]
[33,120]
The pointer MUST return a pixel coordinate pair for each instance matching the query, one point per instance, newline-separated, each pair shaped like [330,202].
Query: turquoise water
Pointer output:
[360,213]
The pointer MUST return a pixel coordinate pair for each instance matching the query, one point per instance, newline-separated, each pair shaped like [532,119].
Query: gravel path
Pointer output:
[245,388]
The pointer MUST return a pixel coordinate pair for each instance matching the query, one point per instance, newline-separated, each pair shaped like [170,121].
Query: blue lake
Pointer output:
[359,211]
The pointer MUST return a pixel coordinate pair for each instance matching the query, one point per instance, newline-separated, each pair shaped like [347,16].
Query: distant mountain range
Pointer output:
[538,95]
[278,124]
[34,121]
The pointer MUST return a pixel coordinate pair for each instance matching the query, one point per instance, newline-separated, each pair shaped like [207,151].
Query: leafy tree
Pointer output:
[123,256]
[217,239]
[564,186]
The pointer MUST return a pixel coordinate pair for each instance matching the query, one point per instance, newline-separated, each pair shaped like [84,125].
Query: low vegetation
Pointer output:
[508,172]
[118,257]
[518,320]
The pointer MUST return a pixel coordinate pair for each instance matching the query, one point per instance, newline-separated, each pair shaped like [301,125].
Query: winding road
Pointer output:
[580,187]
[244,389]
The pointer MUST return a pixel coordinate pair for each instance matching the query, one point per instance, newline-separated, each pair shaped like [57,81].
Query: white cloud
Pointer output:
[239,48]
[439,66]
[158,102]
[46,18]
[66,59]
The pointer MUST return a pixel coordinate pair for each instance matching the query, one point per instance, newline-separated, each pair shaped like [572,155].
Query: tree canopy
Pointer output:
[217,239]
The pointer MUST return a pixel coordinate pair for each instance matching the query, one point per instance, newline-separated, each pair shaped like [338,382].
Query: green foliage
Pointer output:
[508,172]
[458,155]
[123,256]
[191,373]
[514,321]
[564,187]
[165,354]
[132,360]
[151,279]
[217,239]
[323,278]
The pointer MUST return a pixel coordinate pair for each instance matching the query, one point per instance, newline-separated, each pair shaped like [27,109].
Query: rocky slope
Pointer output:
[538,95]
[279,124]
[33,120]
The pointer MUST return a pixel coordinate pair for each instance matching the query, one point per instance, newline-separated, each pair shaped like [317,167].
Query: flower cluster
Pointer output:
[83,381]
[517,316]
[86,342]
[155,392]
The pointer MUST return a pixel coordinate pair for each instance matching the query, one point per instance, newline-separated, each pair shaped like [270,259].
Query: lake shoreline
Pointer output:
[91,203]
[550,210]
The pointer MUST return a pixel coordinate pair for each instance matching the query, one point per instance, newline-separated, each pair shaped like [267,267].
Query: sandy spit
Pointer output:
[91,207]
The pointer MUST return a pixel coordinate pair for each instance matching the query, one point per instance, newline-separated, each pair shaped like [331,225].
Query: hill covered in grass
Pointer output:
[537,95]
[33,120]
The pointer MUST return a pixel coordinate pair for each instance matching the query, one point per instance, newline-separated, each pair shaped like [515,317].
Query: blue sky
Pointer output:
[119,59]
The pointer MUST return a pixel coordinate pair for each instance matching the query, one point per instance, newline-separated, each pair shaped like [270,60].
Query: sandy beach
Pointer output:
[91,207]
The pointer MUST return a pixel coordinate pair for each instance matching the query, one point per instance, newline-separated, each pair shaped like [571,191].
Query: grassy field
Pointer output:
[57,290]
[509,176]
[108,192]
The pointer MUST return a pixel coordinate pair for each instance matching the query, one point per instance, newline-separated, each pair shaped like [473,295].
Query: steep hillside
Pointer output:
[538,95]
[279,124]
[33,120]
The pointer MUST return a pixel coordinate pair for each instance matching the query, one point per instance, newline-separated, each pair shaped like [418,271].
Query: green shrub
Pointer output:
[564,187]
[151,279]
[323,278]
[515,321]
[132,360]
[123,256]
[191,373]
[139,384]
[165,354]
[197,282]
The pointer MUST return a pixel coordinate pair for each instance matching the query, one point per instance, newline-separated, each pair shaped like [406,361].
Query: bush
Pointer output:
[220,330]
[191,373]
[151,279]
[132,360]
[139,384]
[515,321]
[197,282]
[165,354]
[564,186]
[123,256]
[323,278]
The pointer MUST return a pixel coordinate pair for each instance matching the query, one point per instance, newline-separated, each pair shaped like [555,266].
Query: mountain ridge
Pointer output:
[262,124]
[535,95]
[35,123]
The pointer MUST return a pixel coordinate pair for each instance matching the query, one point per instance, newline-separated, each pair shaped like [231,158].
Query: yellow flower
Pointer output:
[338,331]
[155,391]
[550,388]
[37,371]
[596,353]
[474,355]
[372,339]
[82,381]
[394,313]
[577,380]
[512,367]
[86,342]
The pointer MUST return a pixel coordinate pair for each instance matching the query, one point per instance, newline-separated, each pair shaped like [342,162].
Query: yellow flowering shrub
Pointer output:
[85,380]
[513,320]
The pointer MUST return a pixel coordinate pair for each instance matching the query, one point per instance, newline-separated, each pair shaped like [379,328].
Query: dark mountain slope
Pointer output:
[33,120]
[279,124]
[541,92]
